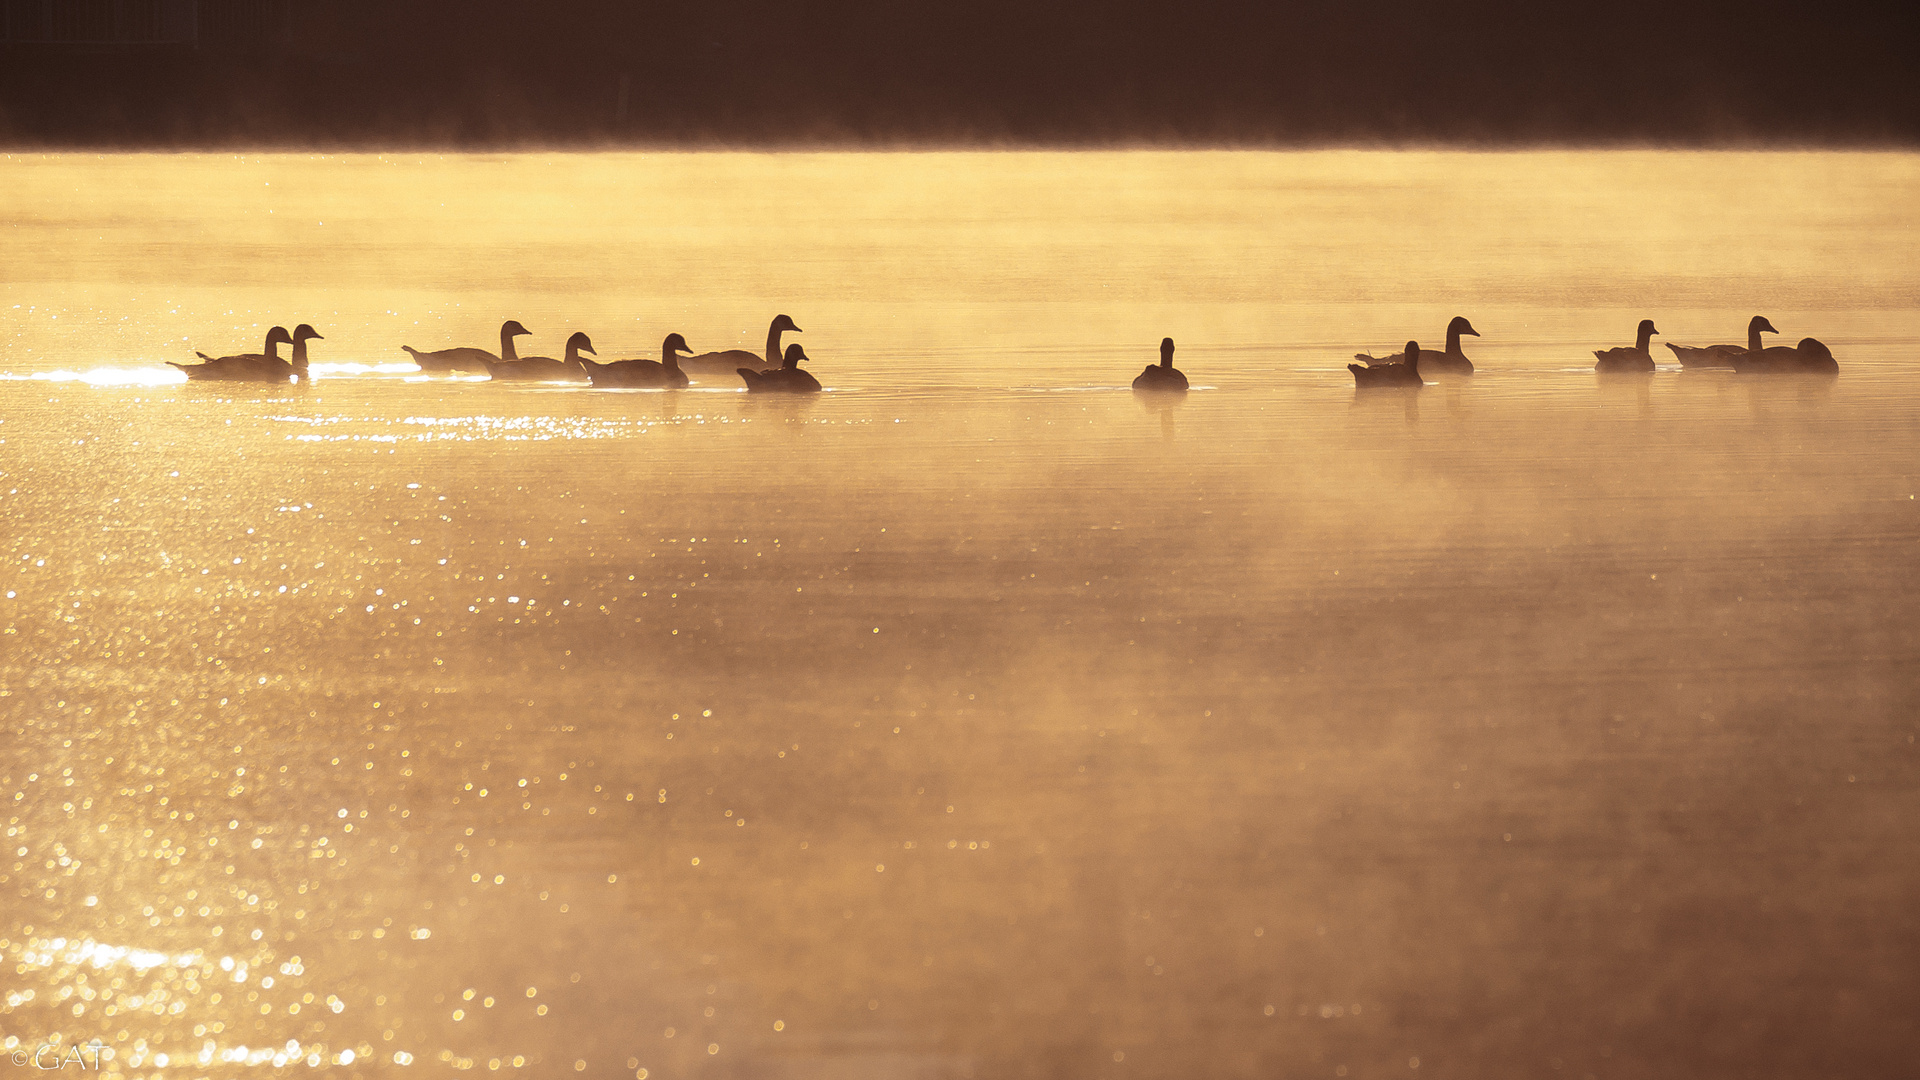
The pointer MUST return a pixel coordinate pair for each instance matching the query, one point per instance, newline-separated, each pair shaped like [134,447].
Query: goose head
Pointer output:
[1166,352]
[578,344]
[301,335]
[1760,324]
[782,322]
[793,356]
[1460,325]
[277,336]
[1647,327]
[674,344]
[512,328]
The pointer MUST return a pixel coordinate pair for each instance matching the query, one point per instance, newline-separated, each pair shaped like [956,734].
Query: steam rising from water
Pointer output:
[974,718]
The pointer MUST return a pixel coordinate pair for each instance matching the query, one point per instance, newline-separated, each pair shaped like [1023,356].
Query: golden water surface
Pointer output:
[973,718]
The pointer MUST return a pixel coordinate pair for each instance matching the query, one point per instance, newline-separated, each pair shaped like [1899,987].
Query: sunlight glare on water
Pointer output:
[974,718]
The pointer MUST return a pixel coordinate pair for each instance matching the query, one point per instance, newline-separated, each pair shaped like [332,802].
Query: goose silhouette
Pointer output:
[256,367]
[270,350]
[735,359]
[662,373]
[468,358]
[298,364]
[545,368]
[1816,358]
[1810,357]
[1162,376]
[1624,360]
[1384,374]
[1452,361]
[1723,355]
[787,378]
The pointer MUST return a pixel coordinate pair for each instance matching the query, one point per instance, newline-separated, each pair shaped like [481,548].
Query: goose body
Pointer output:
[663,373]
[1810,357]
[1775,360]
[785,379]
[1723,356]
[468,358]
[1720,356]
[240,366]
[1162,376]
[545,368]
[735,359]
[1451,362]
[1625,360]
[1816,358]
[255,367]
[1384,374]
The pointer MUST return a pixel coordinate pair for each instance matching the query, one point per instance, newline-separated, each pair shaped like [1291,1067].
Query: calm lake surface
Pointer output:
[973,719]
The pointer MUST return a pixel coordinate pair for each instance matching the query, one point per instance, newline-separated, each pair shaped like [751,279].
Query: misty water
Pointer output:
[973,718]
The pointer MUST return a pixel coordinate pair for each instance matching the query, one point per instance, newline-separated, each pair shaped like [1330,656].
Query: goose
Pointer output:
[244,367]
[1453,361]
[1815,357]
[301,335]
[545,368]
[1722,355]
[787,378]
[1808,357]
[734,359]
[467,358]
[664,372]
[1636,359]
[1163,375]
[1404,373]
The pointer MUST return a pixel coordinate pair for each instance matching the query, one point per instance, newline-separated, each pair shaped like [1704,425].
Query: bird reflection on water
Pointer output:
[1165,406]
[1795,393]
[1633,388]
[1386,400]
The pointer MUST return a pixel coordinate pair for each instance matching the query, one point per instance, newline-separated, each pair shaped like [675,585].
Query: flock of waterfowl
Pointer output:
[1810,357]
[780,372]
[776,371]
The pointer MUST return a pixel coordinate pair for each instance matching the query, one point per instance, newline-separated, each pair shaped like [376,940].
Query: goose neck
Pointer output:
[506,346]
[773,343]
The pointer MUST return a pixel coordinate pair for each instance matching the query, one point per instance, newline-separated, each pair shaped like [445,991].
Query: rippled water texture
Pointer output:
[972,719]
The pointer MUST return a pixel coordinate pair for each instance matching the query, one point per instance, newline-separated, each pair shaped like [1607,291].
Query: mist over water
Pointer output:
[973,718]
